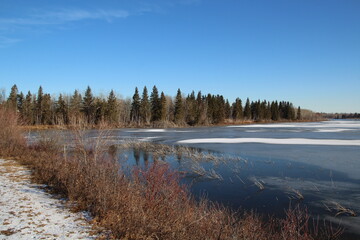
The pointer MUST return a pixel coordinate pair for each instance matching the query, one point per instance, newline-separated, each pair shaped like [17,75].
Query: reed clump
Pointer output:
[147,204]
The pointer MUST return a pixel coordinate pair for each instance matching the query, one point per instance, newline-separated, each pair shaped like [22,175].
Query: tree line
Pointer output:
[143,110]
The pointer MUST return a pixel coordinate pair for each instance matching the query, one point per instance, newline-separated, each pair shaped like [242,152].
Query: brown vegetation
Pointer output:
[147,204]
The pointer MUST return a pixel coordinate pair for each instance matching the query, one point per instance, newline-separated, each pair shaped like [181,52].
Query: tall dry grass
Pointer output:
[147,204]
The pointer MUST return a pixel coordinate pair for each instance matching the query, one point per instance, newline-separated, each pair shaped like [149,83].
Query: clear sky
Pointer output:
[303,51]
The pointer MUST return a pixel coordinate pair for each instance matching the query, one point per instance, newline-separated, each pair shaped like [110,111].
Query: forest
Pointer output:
[148,109]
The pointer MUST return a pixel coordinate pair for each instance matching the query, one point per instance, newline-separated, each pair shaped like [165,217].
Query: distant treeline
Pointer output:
[343,115]
[154,109]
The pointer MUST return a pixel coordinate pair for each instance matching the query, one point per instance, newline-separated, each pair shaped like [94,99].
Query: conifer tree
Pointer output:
[247,110]
[227,109]
[46,115]
[179,111]
[75,108]
[13,97]
[145,108]
[61,111]
[191,109]
[298,114]
[27,112]
[88,105]
[20,102]
[135,107]
[237,112]
[163,108]
[155,105]
[39,107]
[111,108]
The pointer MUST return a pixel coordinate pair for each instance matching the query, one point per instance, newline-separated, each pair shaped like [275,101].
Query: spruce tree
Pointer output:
[155,105]
[237,112]
[145,108]
[61,111]
[247,110]
[13,97]
[111,108]
[27,113]
[179,111]
[135,107]
[163,108]
[39,107]
[88,105]
[298,114]
[75,108]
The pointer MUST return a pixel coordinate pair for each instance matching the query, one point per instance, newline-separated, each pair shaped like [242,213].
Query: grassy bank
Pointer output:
[147,204]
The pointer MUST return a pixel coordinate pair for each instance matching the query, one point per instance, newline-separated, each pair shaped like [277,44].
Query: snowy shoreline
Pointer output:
[28,212]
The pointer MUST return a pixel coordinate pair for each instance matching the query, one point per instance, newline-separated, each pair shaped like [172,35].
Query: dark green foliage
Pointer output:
[179,108]
[227,109]
[199,110]
[145,107]
[39,107]
[135,107]
[237,110]
[88,107]
[298,114]
[46,115]
[61,111]
[111,113]
[247,110]
[100,110]
[163,109]
[20,102]
[155,105]
[12,99]
[75,115]
[191,109]
[27,111]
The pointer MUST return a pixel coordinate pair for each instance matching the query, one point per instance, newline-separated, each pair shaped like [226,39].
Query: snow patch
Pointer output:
[286,141]
[28,212]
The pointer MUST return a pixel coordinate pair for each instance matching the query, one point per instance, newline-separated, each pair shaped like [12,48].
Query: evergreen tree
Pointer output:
[46,115]
[20,102]
[13,97]
[247,110]
[191,109]
[135,107]
[145,108]
[155,105]
[237,112]
[163,108]
[75,108]
[227,109]
[275,113]
[99,110]
[28,107]
[61,111]
[179,108]
[39,107]
[88,105]
[298,114]
[111,108]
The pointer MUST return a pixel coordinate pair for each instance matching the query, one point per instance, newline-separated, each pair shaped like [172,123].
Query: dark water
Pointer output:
[288,165]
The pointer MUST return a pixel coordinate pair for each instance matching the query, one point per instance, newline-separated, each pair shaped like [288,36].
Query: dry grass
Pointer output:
[148,204]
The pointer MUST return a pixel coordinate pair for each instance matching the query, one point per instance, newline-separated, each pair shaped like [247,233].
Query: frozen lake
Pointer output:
[315,164]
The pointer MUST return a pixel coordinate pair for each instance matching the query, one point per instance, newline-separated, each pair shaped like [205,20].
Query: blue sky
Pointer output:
[303,51]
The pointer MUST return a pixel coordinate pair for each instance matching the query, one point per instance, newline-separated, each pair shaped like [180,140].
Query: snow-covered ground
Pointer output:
[28,212]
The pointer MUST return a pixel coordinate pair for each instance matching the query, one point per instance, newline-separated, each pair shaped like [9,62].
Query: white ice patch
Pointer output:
[334,130]
[285,141]
[351,125]
[149,130]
